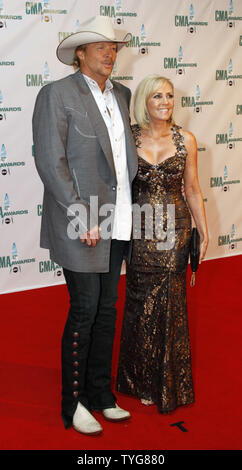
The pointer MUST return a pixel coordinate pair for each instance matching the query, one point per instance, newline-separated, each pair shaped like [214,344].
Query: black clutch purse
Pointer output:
[194,253]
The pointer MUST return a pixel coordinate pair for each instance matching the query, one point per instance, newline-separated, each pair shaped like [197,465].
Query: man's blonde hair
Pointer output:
[76,61]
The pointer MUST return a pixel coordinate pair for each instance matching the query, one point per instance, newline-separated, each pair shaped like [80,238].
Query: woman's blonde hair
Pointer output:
[146,88]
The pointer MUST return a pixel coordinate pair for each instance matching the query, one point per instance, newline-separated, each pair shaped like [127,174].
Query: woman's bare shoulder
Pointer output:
[189,139]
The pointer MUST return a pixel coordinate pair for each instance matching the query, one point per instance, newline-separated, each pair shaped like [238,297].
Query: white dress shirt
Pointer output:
[109,109]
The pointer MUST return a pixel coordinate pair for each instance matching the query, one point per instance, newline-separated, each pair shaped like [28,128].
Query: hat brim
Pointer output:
[66,49]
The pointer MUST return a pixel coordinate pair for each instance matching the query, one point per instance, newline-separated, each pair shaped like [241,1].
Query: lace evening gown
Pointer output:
[155,359]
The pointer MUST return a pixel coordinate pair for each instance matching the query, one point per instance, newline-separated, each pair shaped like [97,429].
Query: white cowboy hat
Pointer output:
[96,29]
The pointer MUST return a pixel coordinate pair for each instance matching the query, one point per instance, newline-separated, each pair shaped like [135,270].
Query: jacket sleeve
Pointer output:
[50,130]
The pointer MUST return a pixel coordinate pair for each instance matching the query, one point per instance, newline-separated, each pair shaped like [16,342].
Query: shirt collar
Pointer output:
[93,83]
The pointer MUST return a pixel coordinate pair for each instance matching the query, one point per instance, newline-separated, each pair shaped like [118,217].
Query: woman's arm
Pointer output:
[193,192]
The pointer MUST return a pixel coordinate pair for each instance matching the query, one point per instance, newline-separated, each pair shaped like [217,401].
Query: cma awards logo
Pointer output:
[230,240]
[141,42]
[117,76]
[3,154]
[4,110]
[188,22]
[45,16]
[7,215]
[5,165]
[4,17]
[43,9]
[50,267]
[12,261]
[227,75]
[177,63]
[180,66]
[228,138]
[6,218]
[4,211]
[195,101]
[39,80]
[3,157]
[228,15]
[115,11]
[223,183]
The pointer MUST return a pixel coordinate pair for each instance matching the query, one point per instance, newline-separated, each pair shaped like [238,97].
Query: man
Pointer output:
[86,158]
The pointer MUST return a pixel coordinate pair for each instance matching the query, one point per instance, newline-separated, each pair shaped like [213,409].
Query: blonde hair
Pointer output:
[76,61]
[147,87]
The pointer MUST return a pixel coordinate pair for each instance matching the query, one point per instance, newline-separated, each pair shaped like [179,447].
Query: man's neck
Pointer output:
[101,81]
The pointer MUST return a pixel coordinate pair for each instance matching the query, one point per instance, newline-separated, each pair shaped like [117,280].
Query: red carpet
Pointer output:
[31,329]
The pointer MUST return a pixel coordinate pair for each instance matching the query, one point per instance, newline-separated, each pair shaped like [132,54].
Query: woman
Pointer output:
[155,360]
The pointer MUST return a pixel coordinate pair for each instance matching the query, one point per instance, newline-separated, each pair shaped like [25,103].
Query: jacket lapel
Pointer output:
[100,126]
[96,118]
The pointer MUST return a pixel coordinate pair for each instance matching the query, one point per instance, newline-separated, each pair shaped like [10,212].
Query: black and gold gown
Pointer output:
[155,358]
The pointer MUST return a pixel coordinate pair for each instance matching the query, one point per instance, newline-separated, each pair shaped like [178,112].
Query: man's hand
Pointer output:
[92,237]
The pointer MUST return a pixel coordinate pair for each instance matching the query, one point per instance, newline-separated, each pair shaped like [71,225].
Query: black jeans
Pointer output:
[87,341]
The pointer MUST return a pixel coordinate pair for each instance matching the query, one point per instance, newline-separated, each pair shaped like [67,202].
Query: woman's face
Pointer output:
[160,104]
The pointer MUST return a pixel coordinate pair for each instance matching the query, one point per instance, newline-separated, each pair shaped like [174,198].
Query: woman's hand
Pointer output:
[203,246]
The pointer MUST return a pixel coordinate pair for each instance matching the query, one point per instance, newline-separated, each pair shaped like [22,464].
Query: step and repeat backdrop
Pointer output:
[197,44]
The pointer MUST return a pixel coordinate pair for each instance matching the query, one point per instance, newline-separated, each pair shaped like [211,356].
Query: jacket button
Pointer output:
[76,364]
[75,394]
[75,334]
[75,353]
[75,384]
[75,373]
[114,188]
[75,344]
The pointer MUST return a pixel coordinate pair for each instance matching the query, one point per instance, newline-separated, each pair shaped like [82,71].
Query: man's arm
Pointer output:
[49,137]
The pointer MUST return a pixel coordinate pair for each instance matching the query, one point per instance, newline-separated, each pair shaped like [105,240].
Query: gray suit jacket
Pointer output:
[74,159]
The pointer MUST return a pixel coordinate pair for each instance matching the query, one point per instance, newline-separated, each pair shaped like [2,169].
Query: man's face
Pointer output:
[98,59]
